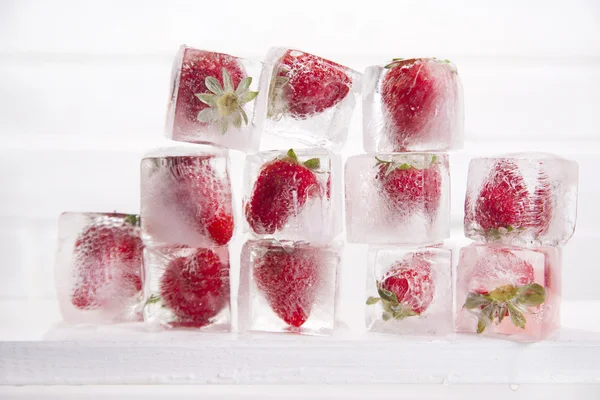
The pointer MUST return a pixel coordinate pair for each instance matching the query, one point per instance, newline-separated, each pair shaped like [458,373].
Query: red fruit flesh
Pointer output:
[281,189]
[314,84]
[107,263]
[413,92]
[407,191]
[203,197]
[195,288]
[504,201]
[411,281]
[288,280]
[195,67]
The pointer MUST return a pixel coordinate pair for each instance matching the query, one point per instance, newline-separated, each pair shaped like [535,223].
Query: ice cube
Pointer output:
[508,292]
[293,195]
[400,198]
[412,105]
[187,287]
[311,99]
[409,290]
[521,199]
[98,267]
[218,99]
[288,287]
[186,197]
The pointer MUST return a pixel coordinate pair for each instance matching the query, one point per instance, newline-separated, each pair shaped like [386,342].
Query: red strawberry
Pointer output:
[407,289]
[501,285]
[505,202]
[304,85]
[195,288]
[288,280]
[107,261]
[408,189]
[282,188]
[203,196]
[213,88]
[419,97]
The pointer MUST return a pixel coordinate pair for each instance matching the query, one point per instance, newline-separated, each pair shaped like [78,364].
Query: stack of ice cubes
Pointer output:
[170,265]
[520,209]
[398,193]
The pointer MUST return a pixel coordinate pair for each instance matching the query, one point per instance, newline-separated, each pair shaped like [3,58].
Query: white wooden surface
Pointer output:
[84,90]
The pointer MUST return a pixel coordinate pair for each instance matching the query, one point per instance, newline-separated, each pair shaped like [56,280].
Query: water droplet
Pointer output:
[514,387]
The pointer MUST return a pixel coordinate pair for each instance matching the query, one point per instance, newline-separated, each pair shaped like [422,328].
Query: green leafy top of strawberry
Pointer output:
[507,300]
[312,164]
[226,103]
[391,306]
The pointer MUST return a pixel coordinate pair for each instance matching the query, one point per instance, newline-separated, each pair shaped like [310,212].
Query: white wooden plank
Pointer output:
[532,29]
[189,358]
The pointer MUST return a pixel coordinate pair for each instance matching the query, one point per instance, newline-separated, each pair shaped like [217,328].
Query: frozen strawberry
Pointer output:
[304,85]
[213,89]
[195,288]
[501,285]
[203,197]
[407,289]
[504,202]
[283,186]
[107,262]
[408,187]
[419,97]
[288,280]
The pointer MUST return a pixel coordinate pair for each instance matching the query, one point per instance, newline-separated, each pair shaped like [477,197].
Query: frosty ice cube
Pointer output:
[412,105]
[187,287]
[98,267]
[311,99]
[521,199]
[400,198]
[293,195]
[287,287]
[508,292]
[216,98]
[409,290]
[186,197]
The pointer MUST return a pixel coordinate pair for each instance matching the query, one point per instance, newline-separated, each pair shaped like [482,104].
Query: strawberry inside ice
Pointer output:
[196,66]
[288,280]
[412,282]
[107,263]
[313,84]
[283,186]
[195,288]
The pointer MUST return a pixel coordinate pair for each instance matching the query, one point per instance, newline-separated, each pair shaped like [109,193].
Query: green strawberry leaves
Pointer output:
[502,301]
[393,309]
[312,164]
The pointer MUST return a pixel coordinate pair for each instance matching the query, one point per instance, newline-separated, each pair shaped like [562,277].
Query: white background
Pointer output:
[84,88]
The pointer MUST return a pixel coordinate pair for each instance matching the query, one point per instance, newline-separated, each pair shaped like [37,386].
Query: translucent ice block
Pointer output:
[521,199]
[508,292]
[310,98]
[186,197]
[218,99]
[409,290]
[287,287]
[401,198]
[187,287]
[293,195]
[98,267]
[412,105]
